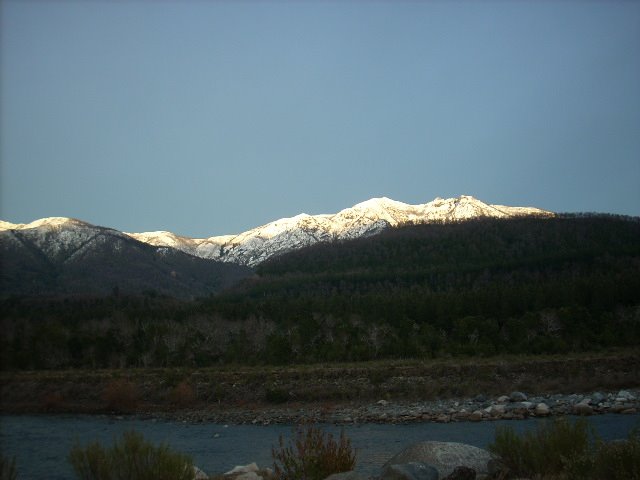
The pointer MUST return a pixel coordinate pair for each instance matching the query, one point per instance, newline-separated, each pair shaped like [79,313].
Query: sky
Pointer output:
[213,117]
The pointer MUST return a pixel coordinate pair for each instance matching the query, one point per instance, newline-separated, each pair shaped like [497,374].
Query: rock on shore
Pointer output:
[444,457]
[422,461]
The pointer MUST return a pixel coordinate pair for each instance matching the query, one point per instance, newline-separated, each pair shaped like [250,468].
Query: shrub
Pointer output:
[566,451]
[313,455]
[8,469]
[120,396]
[131,459]
[543,451]
[182,395]
[276,395]
[91,463]
[617,460]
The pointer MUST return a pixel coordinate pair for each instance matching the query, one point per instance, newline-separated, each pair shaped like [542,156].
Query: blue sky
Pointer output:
[212,117]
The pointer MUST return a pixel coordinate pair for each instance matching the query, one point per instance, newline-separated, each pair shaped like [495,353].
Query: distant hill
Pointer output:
[61,256]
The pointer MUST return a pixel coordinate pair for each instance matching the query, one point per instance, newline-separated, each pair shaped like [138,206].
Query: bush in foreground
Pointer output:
[8,469]
[617,460]
[312,456]
[132,458]
[565,451]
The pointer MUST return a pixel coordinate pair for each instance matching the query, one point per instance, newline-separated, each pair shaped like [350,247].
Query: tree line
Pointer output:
[481,287]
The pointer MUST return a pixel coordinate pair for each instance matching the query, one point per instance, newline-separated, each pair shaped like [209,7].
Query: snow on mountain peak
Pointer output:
[379,202]
[42,222]
[365,218]
[261,243]
[60,238]
[160,237]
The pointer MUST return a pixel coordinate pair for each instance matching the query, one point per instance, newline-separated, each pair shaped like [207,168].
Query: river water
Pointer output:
[41,443]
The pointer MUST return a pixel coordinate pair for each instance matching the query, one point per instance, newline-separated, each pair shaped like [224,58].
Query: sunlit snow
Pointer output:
[366,218]
[261,243]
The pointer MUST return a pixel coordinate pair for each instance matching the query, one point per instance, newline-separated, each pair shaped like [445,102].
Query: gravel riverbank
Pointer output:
[513,406]
[401,391]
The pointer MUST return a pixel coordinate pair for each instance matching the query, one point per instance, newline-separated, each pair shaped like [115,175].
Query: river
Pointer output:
[41,443]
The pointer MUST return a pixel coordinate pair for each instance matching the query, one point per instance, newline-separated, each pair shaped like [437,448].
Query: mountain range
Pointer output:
[364,219]
[60,255]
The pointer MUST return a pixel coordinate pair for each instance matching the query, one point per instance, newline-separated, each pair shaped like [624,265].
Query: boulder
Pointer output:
[626,396]
[503,399]
[542,410]
[444,456]
[517,397]
[409,471]
[476,416]
[516,407]
[443,418]
[462,415]
[252,467]
[497,410]
[199,474]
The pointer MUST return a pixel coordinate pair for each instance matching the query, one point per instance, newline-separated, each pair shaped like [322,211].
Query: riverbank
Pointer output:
[516,406]
[440,390]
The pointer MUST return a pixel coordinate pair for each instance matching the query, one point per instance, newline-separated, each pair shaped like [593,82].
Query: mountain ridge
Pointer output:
[254,246]
[258,244]
[64,256]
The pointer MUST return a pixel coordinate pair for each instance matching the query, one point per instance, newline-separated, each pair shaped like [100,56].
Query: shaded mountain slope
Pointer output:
[62,256]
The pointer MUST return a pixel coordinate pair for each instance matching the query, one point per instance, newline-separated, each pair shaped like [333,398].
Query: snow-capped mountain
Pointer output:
[60,255]
[60,238]
[367,218]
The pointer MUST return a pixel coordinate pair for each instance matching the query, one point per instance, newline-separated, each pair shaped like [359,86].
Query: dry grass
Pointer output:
[86,391]
[120,396]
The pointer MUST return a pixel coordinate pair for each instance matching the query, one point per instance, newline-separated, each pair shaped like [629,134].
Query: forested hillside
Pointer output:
[476,287]
[482,287]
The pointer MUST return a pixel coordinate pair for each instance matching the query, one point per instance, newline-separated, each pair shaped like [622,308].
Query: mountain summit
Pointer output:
[367,218]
